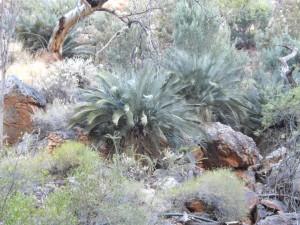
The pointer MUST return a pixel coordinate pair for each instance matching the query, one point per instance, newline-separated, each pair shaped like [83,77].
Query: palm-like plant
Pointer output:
[144,108]
[212,84]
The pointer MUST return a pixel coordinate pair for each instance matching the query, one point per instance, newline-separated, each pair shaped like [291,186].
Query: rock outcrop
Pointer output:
[20,102]
[228,148]
[282,219]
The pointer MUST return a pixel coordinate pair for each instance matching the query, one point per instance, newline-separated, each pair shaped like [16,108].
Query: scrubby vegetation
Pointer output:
[104,195]
[123,112]
[221,191]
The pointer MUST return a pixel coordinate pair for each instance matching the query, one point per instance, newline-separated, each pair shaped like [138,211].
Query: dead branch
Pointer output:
[83,9]
[286,71]
[274,195]
[198,219]
[68,21]
[117,34]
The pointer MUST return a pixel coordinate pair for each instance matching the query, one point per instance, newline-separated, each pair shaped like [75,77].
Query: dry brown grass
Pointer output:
[24,65]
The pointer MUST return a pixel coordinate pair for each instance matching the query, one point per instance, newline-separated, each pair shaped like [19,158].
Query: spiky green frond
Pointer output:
[145,108]
[212,84]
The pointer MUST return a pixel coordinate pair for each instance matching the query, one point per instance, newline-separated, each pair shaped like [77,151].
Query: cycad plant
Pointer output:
[144,109]
[213,84]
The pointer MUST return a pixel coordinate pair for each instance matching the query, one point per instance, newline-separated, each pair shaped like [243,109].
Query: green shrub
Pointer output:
[25,173]
[106,197]
[246,18]
[95,194]
[272,48]
[18,209]
[22,173]
[199,28]
[143,108]
[282,108]
[221,190]
[57,209]
[286,19]
[73,156]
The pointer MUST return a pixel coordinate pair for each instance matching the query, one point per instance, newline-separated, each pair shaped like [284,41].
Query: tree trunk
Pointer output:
[69,20]
[8,17]
[286,71]
[2,109]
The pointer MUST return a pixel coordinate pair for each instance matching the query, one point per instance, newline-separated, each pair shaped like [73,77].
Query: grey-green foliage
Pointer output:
[213,84]
[215,71]
[144,108]
[272,47]
[35,26]
[268,81]
[107,197]
[93,193]
[246,18]
[221,191]
[199,27]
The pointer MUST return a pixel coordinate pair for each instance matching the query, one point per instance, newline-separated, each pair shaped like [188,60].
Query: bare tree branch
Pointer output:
[84,9]
[286,71]
[69,20]
[117,34]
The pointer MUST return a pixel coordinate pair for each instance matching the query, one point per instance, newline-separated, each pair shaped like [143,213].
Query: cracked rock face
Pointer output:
[20,102]
[229,148]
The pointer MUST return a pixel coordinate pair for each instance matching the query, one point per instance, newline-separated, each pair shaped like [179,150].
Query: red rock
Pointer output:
[20,102]
[229,148]
[248,176]
[196,206]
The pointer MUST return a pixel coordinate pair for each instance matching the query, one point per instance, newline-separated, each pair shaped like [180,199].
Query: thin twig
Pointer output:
[189,215]
[118,33]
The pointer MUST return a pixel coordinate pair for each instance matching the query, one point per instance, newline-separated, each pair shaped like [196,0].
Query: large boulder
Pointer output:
[20,102]
[228,148]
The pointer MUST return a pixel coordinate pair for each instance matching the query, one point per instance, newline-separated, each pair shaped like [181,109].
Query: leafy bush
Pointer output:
[72,155]
[283,108]
[199,28]
[286,19]
[22,173]
[57,209]
[245,19]
[17,209]
[105,196]
[28,171]
[95,193]
[144,108]
[272,48]
[220,190]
